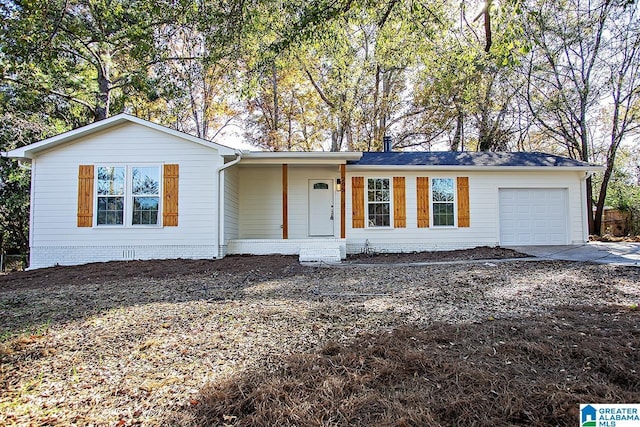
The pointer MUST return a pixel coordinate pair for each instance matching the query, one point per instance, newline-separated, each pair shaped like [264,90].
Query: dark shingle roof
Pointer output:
[466,158]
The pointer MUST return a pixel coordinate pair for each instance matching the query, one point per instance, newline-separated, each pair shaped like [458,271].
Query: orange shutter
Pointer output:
[422,186]
[170,196]
[357,201]
[85,196]
[399,202]
[463,201]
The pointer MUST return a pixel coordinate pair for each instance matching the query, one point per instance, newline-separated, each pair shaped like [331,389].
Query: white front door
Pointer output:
[321,207]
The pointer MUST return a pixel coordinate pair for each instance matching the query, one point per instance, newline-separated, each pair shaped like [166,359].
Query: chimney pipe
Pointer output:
[387,144]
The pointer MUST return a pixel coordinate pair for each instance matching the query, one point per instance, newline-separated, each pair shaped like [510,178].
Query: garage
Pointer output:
[533,216]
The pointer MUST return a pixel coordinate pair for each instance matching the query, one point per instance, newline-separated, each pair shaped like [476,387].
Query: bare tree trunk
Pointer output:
[384,107]
[584,141]
[376,121]
[485,135]
[349,134]
[336,139]
[276,113]
[487,27]
[457,137]
[275,140]
[104,95]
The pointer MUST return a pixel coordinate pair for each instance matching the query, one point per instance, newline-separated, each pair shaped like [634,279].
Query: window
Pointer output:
[442,200]
[378,202]
[145,187]
[131,192]
[111,185]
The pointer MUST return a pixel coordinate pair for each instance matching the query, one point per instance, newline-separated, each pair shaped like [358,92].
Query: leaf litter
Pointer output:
[265,341]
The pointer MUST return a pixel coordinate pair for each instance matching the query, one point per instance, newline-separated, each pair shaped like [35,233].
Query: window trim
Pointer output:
[366,203]
[132,196]
[454,202]
[128,196]
[98,196]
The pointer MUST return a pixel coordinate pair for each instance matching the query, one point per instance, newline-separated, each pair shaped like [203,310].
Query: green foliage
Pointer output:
[622,192]
[90,53]
[16,131]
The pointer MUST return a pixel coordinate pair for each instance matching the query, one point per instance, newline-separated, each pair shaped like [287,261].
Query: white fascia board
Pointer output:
[299,157]
[29,151]
[477,168]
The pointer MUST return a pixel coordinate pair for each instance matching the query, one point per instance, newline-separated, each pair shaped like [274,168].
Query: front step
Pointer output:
[324,252]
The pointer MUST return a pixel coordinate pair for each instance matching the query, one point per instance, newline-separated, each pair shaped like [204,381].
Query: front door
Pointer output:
[321,207]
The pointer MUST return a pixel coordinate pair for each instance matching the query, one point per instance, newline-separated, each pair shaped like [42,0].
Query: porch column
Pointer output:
[285,201]
[343,201]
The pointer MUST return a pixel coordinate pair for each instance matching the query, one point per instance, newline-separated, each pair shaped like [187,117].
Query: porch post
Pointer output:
[285,201]
[343,201]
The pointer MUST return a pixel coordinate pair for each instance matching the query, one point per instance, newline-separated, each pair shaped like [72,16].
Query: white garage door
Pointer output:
[533,216]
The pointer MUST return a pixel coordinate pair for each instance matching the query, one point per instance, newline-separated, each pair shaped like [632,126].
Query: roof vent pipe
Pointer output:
[387,144]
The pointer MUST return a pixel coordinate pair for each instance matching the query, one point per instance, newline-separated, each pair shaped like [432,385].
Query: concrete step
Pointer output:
[320,253]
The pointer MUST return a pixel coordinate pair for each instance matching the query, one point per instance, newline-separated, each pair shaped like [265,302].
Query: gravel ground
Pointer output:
[121,348]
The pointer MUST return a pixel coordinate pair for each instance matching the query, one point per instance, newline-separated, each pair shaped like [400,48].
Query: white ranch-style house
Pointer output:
[125,188]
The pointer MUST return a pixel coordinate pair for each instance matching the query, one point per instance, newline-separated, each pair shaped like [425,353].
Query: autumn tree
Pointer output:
[196,93]
[469,80]
[285,113]
[89,53]
[582,80]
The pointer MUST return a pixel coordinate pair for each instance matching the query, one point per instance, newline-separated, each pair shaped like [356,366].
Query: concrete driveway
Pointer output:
[619,253]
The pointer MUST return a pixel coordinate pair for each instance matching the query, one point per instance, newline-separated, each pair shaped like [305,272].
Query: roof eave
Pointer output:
[18,154]
[590,168]
[30,151]
[299,157]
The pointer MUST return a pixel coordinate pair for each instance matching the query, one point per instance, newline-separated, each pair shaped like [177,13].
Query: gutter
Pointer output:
[304,155]
[587,169]
[219,170]
[21,164]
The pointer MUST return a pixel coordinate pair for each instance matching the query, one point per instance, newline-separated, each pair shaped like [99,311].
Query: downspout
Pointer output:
[583,199]
[23,166]
[221,199]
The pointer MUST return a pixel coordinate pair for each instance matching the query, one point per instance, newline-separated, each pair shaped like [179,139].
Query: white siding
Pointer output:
[231,203]
[54,205]
[484,207]
[261,200]
[261,203]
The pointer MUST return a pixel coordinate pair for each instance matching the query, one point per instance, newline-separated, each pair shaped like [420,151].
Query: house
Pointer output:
[125,188]
[588,416]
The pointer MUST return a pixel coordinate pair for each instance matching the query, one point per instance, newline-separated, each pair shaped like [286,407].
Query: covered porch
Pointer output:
[287,203]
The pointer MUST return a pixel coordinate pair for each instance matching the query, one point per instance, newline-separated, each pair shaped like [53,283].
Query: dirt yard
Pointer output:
[252,341]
